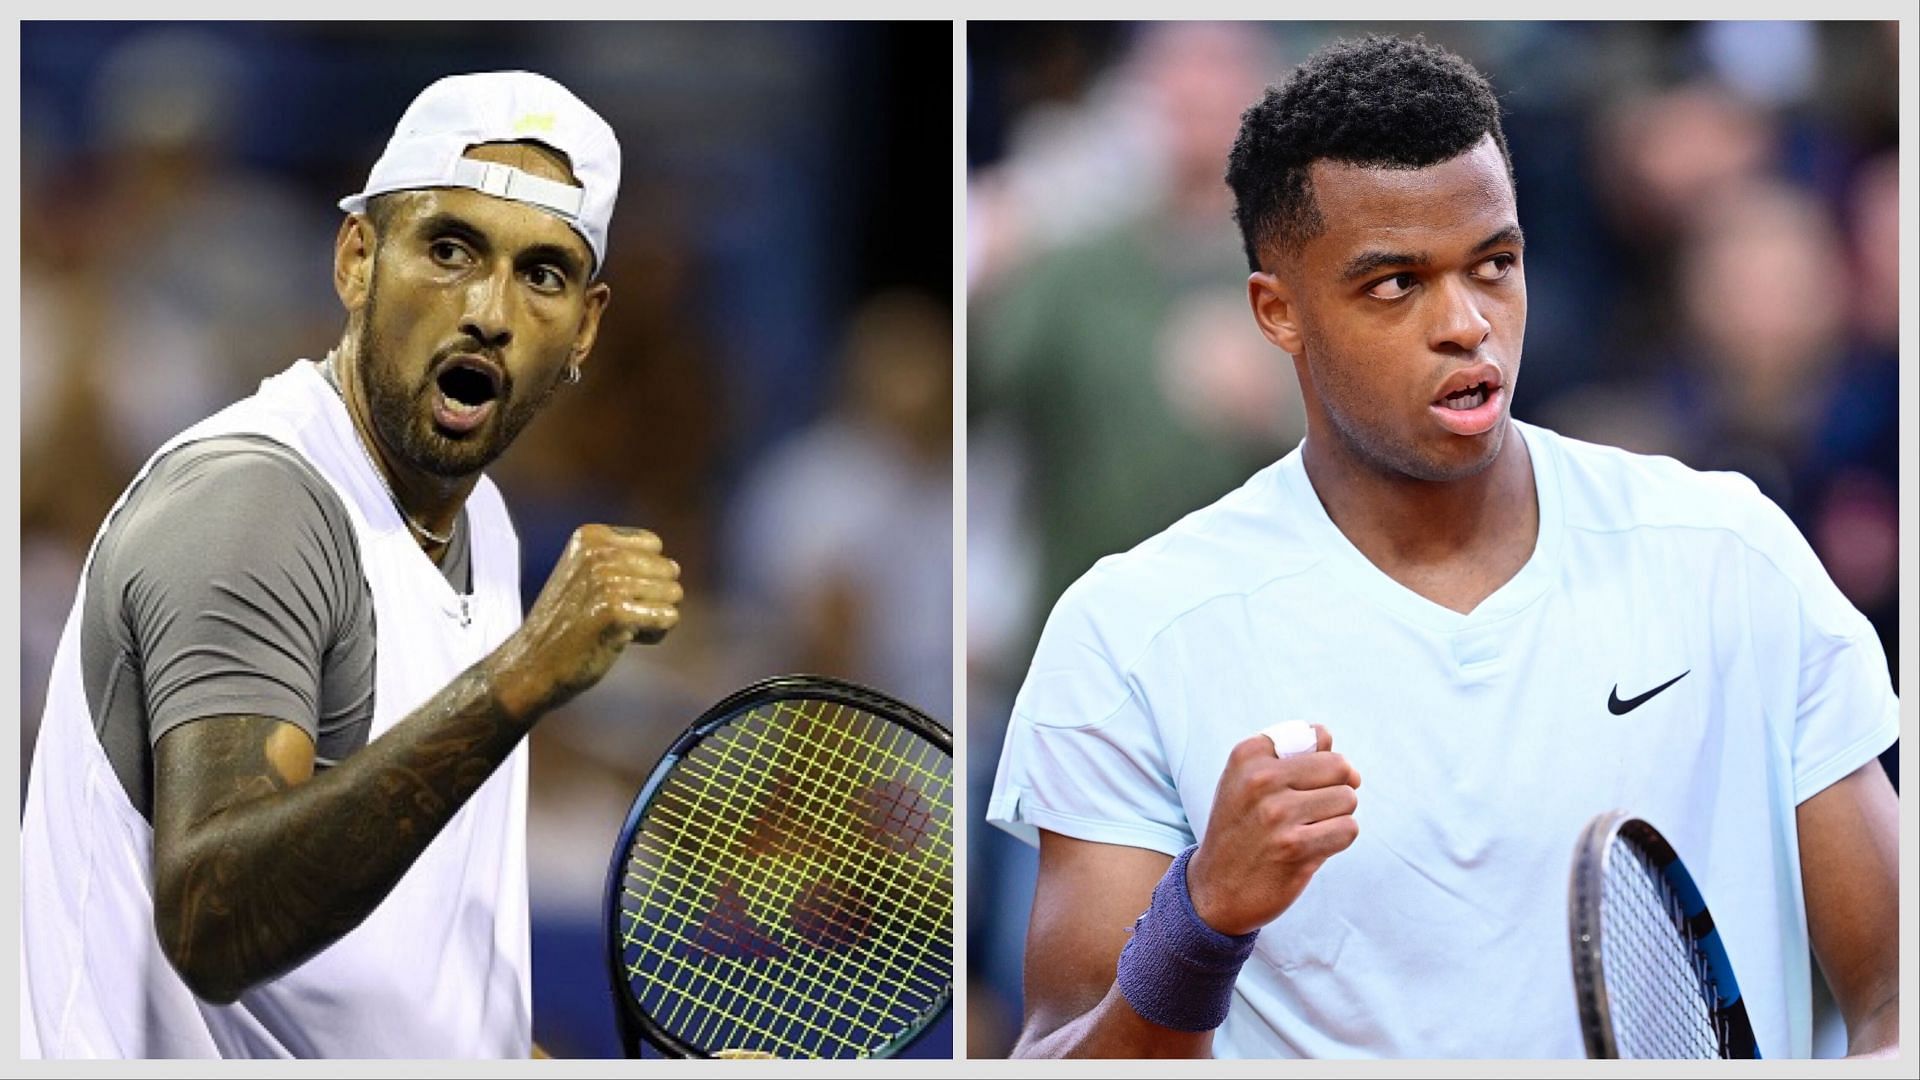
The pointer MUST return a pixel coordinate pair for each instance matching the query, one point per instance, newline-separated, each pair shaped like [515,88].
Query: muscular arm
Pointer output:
[259,863]
[1850,866]
[1087,897]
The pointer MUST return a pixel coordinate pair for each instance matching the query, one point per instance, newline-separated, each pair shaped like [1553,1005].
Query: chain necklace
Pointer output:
[419,530]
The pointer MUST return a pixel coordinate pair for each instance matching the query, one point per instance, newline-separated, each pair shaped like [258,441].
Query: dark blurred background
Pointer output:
[771,391]
[1712,268]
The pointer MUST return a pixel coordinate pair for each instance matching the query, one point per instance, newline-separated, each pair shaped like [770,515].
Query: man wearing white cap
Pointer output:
[277,803]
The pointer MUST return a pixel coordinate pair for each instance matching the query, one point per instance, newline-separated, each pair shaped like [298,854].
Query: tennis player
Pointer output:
[1508,631]
[277,803]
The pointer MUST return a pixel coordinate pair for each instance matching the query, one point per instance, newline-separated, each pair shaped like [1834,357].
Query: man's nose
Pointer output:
[487,318]
[1461,326]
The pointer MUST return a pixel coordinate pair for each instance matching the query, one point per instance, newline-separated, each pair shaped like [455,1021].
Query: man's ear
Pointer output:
[353,261]
[1276,310]
[597,297]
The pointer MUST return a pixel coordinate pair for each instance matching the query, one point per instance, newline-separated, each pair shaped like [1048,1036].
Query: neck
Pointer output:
[429,503]
[1453,541]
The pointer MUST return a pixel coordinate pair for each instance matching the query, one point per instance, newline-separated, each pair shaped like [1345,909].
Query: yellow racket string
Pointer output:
[682,997]
[885,947]
[764,829]
[857,871]
[760,897]
[707,798]
[816,746]
[855,875]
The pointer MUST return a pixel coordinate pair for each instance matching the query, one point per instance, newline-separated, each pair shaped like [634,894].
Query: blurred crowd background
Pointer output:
[1712,253]
[771,391]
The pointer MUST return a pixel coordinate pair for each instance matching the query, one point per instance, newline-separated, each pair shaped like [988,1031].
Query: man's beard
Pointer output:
[402,415]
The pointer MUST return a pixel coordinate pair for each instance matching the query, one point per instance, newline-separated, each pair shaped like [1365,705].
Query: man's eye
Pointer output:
[1495,268]
[449,252]
[1392,288]
[546,279]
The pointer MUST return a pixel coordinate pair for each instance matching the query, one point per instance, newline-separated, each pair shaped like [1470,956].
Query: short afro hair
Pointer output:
[1378,102]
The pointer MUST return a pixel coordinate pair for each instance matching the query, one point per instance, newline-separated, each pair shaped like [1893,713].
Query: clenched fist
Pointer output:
[611,586]
[1275,820]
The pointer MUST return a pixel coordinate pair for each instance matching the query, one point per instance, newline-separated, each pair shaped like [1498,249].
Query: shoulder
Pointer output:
[1606,489]
[1691,518]
[228,502]
[229,540]
[1249,540]
[255,464]
[267,480]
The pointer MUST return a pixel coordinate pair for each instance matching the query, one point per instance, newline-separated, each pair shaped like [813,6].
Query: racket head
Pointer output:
[1650,974]
[783,883]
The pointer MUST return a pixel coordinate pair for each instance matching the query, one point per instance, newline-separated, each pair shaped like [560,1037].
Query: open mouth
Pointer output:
[1471,397]
[1473,401]
[468,389]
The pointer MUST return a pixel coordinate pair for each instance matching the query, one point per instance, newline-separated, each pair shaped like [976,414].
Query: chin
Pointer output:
[1417,451]
[1458,457]
[1467,456]
[462,458]
[451,457]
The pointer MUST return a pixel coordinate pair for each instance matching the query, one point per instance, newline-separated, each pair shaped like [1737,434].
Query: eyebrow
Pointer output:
[449,224]
[566,260]
[1369,262]
[443,223]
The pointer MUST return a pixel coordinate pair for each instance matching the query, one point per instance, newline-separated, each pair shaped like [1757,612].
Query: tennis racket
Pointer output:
[1649,971]
[783,886]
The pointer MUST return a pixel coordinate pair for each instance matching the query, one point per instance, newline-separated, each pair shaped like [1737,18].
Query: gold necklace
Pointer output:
[419,530]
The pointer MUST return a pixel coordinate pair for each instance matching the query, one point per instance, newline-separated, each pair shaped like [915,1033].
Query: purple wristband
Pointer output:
[1176,970]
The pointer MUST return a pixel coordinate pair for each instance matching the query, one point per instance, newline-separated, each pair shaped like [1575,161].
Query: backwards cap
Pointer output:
[462,111]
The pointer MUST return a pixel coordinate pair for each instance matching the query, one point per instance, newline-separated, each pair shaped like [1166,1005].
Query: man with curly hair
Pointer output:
[1511,631]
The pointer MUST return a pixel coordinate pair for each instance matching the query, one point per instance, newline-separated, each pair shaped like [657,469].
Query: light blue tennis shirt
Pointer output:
[1486,740]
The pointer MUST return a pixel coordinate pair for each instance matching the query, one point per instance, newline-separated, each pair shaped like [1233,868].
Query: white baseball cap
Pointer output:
[460,112]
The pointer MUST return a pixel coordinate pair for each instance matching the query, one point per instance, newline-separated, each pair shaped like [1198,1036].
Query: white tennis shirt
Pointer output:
[1485,741]
[440,969]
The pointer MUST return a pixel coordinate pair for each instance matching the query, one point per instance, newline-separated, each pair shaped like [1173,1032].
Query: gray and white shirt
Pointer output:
[230,583]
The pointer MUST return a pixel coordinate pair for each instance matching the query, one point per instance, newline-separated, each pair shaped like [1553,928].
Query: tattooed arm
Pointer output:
[259,863]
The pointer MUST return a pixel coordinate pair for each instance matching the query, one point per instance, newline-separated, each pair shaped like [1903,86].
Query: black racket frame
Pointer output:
[1585,889]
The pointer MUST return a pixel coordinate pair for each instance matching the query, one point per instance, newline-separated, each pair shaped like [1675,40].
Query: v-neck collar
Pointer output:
[1513,596]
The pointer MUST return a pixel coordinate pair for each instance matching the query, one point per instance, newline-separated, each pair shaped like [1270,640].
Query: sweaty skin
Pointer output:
[451,273]
[259,863]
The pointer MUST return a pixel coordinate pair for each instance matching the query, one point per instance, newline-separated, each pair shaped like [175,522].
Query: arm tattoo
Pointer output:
[255,871]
